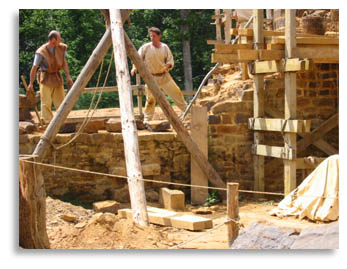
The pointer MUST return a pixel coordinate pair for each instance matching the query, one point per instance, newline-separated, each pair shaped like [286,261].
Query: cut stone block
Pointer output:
[106,206]
[189,222]
[92,127]
[171,199]
[172,219]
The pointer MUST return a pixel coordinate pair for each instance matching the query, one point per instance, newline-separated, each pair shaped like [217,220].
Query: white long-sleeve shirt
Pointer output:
[156,59]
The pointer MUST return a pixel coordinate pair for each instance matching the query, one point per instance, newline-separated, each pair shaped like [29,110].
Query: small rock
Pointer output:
[68,217]
[106,206]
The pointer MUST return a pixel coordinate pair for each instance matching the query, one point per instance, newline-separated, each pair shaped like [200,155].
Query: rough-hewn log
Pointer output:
[129,130]
[32,206]
[194,150]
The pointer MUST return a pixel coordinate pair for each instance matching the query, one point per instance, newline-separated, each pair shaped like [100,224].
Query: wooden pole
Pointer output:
[227,25]
[232,211]
[139,96]
[218,25]
[258,101]
[194,150]
[129,130]
[32,206]
[290,100]
[199,133]
[72,97]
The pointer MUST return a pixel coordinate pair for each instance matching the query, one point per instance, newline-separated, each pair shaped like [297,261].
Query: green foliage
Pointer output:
[82,30]
[213,198]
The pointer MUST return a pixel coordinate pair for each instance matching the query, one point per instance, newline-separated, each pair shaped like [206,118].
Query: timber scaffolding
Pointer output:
[264,52]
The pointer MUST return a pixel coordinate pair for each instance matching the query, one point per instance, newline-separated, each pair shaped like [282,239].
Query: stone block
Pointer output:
[121,195]
[171,199]
[106,206]
[26,127]
[92,127]
[113,125]
[213,119]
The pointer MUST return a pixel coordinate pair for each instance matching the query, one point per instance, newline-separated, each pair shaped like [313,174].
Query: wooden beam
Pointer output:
[290,102]
[308,40]
[289,65]
[139,96]
[129,130]
[273,151]
[269,55]
[231,48]
[258,101]
[214,42]
[279,125]
[194,150]
[199,133]
[218,24]
[227,25]
[318,133]
[321,54]
[72,97]
[241,56]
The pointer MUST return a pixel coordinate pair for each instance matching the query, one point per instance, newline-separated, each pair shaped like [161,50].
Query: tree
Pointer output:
[187,63]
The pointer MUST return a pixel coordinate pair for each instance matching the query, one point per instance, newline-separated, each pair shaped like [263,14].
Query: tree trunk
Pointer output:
[187,62]
[32,206]
[129,130]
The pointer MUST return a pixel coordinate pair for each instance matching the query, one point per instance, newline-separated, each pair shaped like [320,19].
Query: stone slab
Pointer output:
[172,219]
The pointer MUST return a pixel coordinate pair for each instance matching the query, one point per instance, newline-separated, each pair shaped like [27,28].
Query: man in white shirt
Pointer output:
[159,60]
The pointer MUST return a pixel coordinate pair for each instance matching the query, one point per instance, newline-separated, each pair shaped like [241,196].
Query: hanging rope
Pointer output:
[86,118]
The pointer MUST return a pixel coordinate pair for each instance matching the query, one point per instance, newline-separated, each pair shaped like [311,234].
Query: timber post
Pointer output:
[129,130]
[232,211]
[290,101]
[32,205]
[194,150]
[258,104]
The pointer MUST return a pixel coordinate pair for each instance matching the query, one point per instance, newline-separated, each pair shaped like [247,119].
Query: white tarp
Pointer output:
[317,197]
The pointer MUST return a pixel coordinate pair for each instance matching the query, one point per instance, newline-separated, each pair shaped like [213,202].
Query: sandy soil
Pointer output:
[109,231]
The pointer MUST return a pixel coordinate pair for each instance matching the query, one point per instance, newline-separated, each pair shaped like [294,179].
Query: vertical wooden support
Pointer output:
[232,211]
[199,133]
[290,100]
[227,26]
[139,95]
[32,206]
[129,130]
[218,25]
[258,100]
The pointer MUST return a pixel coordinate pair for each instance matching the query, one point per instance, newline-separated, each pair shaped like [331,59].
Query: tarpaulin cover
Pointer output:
[317,197]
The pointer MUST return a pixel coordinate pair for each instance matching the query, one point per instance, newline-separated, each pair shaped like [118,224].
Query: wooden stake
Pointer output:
[290,100]
[183,134]
[32,205]
[129,130]
[139,96]
[199,132]
[233,211]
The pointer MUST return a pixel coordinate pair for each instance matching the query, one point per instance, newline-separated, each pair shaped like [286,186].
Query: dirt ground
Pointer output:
[93,230]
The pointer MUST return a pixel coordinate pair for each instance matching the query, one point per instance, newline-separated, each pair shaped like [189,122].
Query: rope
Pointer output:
[86,118]
[165,182]
[201,235]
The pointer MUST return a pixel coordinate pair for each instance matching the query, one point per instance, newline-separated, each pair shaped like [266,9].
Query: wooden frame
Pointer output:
[279,125]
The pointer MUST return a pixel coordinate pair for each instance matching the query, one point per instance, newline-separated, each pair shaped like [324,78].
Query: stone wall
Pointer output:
[163,158]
